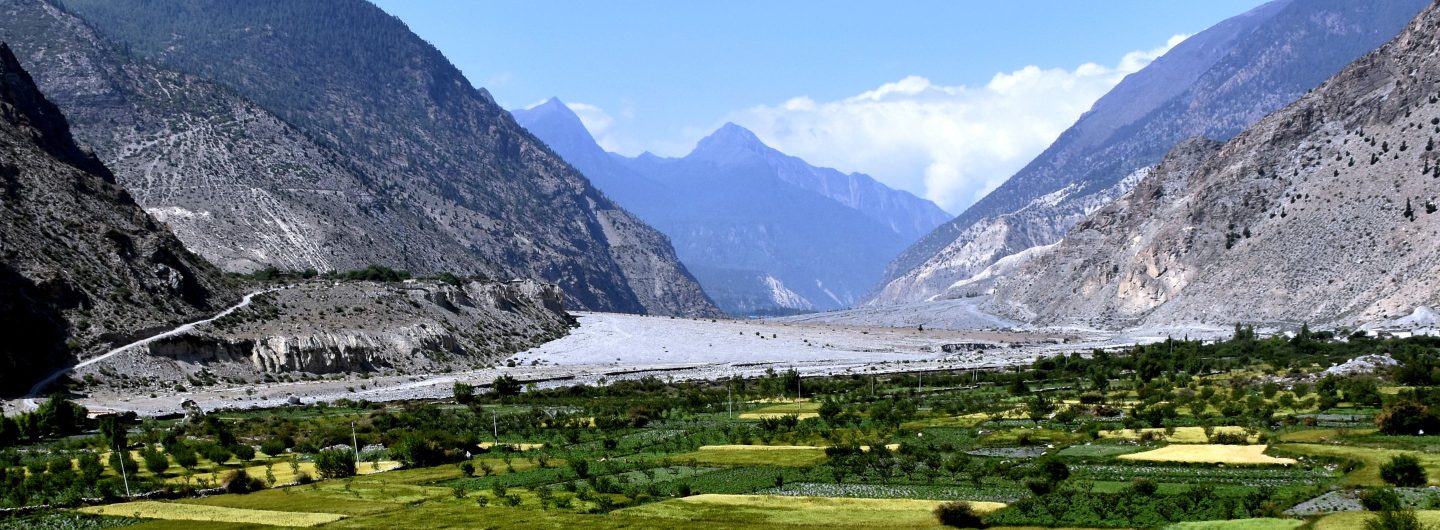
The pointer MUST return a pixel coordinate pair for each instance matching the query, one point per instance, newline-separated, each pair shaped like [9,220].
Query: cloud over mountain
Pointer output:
[949,144]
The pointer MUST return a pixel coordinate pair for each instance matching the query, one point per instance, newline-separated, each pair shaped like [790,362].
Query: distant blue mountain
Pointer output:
[763,232]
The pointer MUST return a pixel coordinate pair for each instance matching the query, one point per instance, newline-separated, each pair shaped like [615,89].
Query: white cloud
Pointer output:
[950,144]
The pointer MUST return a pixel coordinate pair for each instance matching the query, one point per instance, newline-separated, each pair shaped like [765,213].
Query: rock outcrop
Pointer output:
[320,328]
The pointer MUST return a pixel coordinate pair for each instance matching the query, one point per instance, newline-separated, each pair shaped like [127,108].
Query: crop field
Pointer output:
[765,510]
[877,453]
[1209,454]
[1178,435]
[1371,459]
[196,512]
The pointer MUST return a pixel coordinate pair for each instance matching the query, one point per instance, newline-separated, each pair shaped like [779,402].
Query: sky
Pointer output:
[945,99]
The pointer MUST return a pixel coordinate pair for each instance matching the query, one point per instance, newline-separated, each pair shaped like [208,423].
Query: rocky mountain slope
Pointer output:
[764,232]
[235,183]
[1326,211]
[431,147]
[81,264]
[322,328]
[1214,84]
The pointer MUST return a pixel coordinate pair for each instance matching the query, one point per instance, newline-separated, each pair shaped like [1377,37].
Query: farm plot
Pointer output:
[1179,435]
[1349,520]
[756,510]
[195,512]
[1209,454]
[1247,476]
[801,410]
[1240,524]
[1370,457]
[757,455]
[895,491]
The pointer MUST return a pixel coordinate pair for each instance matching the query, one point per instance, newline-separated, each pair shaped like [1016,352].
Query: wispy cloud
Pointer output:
[951,144]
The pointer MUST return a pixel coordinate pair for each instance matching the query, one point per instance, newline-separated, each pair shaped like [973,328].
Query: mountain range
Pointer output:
[1325,211]
[329,137]
[1214,84]
[762,231]
[81,264]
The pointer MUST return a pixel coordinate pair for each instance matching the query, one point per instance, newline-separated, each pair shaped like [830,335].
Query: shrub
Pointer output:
[273,447]
[959,514]
[1395,520]
[335,463]
[1403,471]
[238,481]
[1144,487]
[467,469]
[1379,500]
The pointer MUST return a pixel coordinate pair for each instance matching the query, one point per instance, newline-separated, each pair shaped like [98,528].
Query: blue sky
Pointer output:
[657,76]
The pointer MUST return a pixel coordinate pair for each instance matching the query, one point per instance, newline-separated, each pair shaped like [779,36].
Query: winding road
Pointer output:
[34,393]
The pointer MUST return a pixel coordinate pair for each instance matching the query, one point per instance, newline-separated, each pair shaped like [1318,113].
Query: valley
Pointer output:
[353,264]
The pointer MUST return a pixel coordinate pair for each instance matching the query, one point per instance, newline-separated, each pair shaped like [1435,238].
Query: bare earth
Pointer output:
[607,347]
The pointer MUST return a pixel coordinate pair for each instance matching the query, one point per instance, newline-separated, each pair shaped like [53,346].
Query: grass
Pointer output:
[1240,524]
[1350,520]
[1209,453]
[765,510]
[756,455]
[1371,458]
[196,512]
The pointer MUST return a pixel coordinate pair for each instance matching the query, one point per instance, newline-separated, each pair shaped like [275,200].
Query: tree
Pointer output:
[505,385]
[829,410]
[155,460]
[1407,417]
[1403,471]
[959,514]
[335,463]
[464,394]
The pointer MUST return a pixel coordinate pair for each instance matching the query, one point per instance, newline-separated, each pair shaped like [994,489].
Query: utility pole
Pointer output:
[495,426]
[123,474]
[355,442]
[729,405]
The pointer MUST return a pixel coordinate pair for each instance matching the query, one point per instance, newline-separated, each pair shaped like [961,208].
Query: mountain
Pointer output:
[235,183]
[81,264]
[468,189]
[1327,211]
[1213,84]
[764,232]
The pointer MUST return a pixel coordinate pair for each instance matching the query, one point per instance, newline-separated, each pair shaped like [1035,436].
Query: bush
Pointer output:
[1379,500]
[467,469]
[1144,487]
[959,514]
[238,481]
[273,447]
[1403,471]
[335,463]
[1395,520]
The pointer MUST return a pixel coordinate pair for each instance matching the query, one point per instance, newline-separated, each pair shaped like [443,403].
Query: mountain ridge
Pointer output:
[1213,84]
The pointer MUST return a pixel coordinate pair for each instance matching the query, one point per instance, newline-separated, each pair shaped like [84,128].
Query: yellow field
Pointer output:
[518,447]
[1183,435]
[1348,520]
[197,512]
[283,473]
[801,410]
[1209,453]
[754,510]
